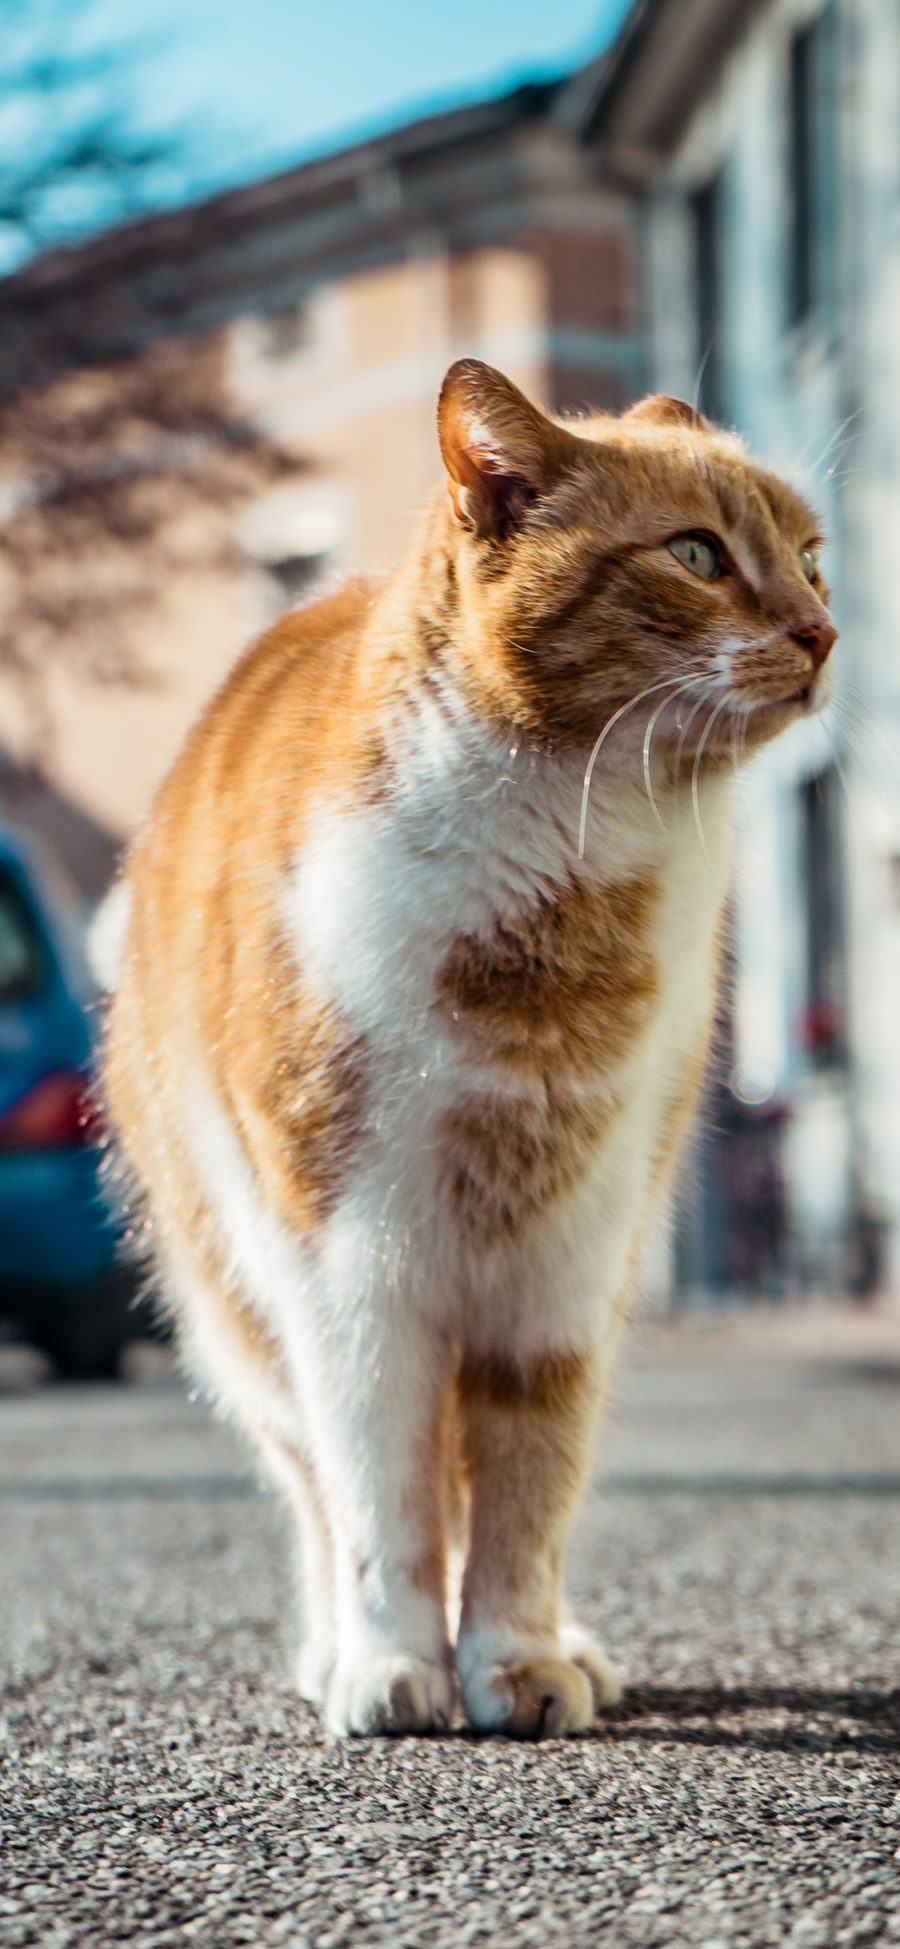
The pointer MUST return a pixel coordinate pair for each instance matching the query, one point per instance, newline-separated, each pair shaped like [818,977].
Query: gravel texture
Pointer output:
[740,1556]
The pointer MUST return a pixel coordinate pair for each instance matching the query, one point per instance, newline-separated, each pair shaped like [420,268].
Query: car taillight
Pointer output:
[56,1114]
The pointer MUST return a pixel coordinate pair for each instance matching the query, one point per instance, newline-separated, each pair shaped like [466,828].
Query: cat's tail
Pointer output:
[106,935]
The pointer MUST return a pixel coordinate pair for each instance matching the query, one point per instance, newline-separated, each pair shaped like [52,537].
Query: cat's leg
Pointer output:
[456,1517]
[230,1349]
[293,1472]
[377,1424]
[527,1430]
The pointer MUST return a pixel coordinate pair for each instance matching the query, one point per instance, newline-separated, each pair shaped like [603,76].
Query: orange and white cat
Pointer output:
[418,969]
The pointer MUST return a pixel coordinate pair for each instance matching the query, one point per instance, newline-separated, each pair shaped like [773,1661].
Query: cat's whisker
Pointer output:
[829,472]
[695,773]
[704,698]
[648,740]
[856,690]
[737,725]
[883,749]
[852,698]
[811,472]
[852,689]
[741,713]
[856,710]
[702,458]
[846,473]
[666,683]
[870,837]
[742,720]
[698,382]
[751,710]
[838,428]
[858,746]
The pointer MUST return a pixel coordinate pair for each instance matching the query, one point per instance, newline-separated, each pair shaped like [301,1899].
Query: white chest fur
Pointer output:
[477,834]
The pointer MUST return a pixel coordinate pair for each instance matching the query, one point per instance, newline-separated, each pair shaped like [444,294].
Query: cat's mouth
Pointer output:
[806,698]
[768,716]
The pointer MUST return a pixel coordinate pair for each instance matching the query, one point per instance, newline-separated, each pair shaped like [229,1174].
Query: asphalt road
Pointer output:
[740,1556]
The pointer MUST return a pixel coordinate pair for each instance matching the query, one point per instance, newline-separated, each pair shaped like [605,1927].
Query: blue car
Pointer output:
[61,1283]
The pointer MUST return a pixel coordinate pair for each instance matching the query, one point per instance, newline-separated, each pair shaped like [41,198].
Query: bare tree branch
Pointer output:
[114,479]
[107,472]
[67,127]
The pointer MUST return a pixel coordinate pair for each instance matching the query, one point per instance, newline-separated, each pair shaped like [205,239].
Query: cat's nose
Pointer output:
[817,639]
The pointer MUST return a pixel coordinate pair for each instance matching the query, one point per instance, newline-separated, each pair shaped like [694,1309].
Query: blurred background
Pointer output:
[238,248]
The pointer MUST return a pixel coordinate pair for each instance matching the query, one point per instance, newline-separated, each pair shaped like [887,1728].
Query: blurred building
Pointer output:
[762,144]
[239,398]
[214,412]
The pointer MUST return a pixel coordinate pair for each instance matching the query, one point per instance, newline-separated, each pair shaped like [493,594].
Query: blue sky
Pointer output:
[274,79]
[254,85]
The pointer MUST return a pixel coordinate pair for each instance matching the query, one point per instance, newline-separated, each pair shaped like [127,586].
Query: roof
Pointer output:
[191,269]
[180,269]
[317,184]
[633,104]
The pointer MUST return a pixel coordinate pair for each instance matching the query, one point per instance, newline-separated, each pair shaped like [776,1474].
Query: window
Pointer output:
[292,538]
[812,133]
[801,263]
[706,211]
[285,331]
[822,1024]
[292,577]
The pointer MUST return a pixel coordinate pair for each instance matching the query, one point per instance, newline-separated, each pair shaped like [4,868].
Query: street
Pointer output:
[740,1557]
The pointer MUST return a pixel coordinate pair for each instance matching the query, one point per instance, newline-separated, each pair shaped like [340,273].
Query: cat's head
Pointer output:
[646,557]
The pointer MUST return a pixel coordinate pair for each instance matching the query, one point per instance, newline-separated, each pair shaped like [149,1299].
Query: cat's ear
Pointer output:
[666,410]
[500,452]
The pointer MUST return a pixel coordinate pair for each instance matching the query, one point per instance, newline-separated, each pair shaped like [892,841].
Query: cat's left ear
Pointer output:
[500,452]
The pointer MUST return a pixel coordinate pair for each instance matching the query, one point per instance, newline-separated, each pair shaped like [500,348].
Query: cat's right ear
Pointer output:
[665,410]
[500,452]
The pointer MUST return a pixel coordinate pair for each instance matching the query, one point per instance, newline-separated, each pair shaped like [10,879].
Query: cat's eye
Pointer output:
[700,554]
[809,564]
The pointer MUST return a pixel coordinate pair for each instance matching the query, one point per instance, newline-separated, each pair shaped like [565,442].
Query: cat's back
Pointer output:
[279,712]
[294,721]
[288,717]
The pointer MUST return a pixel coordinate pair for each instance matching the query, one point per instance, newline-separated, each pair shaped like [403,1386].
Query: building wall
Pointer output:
[815,389]
[871,271]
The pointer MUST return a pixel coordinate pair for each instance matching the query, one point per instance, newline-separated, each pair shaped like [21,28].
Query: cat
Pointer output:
[420,955]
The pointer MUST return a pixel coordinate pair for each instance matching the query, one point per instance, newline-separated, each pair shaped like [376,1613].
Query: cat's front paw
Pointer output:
[315,1664]
[534,1698]
[604,1680]
[390,1694]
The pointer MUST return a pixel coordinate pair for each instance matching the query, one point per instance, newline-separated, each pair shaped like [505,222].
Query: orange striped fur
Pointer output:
[419,954]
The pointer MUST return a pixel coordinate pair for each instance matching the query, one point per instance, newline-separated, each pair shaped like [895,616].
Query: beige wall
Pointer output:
[358,398]
[354,399]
